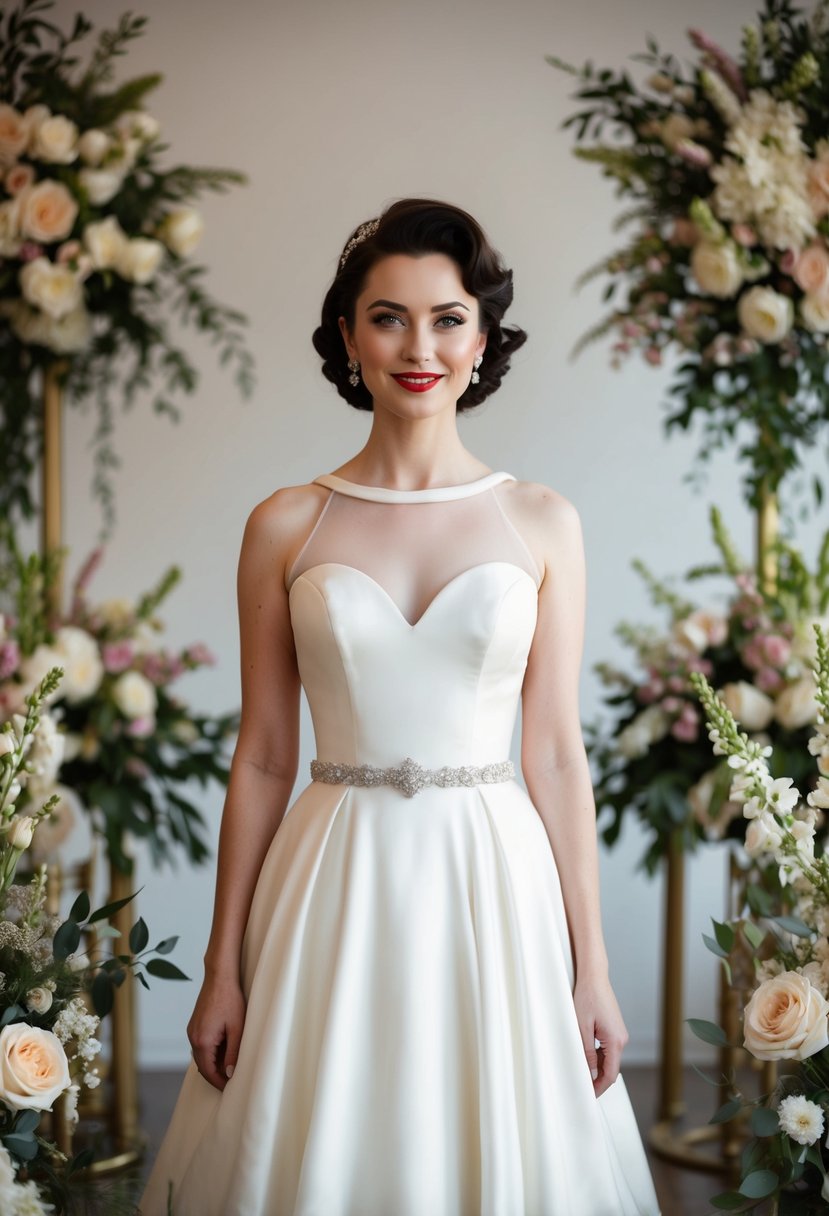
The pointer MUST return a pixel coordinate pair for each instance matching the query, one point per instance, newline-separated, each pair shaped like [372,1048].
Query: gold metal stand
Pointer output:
[124,1142]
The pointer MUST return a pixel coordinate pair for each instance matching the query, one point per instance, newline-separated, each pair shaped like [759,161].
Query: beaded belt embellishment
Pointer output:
[410,777]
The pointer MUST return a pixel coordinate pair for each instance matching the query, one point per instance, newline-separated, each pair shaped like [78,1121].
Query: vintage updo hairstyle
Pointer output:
[418,226]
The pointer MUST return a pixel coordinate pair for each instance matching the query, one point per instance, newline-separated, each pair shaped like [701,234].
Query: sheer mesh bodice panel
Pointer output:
[413,543]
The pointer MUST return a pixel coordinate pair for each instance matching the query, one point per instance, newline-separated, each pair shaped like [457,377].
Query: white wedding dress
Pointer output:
[410,1045]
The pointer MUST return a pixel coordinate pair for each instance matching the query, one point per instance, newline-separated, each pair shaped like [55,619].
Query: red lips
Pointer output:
[417,382]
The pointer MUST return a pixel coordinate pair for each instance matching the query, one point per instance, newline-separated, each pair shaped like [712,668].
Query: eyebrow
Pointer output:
[403,308]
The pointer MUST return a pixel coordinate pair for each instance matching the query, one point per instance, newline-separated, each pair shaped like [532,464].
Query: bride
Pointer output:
[406,1007]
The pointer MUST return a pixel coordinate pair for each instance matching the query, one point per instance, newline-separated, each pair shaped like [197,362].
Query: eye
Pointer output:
[381,318]
[454,319]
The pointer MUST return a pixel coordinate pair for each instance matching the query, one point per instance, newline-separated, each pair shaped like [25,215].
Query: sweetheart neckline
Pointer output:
[438,594]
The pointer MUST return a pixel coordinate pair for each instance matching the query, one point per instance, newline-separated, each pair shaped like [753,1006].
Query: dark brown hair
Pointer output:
[418,226]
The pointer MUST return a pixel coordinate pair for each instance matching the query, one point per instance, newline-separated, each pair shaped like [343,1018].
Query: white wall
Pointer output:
[334,110]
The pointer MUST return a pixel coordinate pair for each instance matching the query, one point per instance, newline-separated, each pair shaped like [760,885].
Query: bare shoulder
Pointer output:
[277,526]
[547,519]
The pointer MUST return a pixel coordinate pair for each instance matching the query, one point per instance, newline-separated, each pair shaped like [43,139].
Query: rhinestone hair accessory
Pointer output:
[363,232]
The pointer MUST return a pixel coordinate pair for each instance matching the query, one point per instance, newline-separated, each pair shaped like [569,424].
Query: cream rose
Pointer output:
[751,707]
[47,211]
[134,695]
[137,124]
[765,314]
[786,1019]
[33,1067]
[55,140]
[105,241]
[64,335]
[701,629]
[181,230]
[796,706]
[51,287]
[39,1000]
[101,185]
[140,259]
[815,313]
[10,238]
[14,134]
[648,727]
[811,270]
[81,661]
[717,269]
[93,146]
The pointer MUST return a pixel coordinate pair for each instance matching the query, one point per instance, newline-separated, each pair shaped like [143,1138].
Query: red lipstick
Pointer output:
[417,382]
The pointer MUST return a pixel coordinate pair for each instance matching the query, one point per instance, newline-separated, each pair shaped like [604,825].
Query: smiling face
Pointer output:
[415,334]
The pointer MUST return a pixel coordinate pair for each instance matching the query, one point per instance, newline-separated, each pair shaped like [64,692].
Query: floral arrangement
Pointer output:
[47,1031]
[758,651]
[127,745]
[787,1015]
[96,239]
[727,164]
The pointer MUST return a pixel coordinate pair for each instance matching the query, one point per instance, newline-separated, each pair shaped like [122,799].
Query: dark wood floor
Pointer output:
[681,1192]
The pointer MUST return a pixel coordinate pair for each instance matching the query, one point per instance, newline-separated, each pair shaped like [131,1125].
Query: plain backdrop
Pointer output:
[334,110]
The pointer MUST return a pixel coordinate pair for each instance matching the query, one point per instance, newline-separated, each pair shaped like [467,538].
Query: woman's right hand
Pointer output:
[215,1029]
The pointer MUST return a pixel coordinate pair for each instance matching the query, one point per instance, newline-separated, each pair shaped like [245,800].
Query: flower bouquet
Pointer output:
[96,239]
[127,746]
[727,164]
[47,1032]
[785,930]
[758,650]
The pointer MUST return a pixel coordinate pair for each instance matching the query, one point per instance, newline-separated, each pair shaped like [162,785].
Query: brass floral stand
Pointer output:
[125,1142]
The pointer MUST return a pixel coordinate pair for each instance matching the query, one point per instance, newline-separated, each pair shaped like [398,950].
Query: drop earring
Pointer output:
[354,367]
[475,378]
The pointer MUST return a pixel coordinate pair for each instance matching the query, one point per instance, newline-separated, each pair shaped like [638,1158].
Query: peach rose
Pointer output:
[811,270]
[55,140]
[18,178]
[796,706]
[14,134]
[33,1067]
[786,1019]
[47,211]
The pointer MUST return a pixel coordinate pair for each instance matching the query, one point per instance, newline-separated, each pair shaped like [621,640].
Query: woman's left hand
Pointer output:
[600,1019]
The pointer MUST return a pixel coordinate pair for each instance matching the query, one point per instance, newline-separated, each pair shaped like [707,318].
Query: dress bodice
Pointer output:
[413,612]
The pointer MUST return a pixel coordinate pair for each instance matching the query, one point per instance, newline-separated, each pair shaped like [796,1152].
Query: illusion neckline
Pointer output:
[432,494]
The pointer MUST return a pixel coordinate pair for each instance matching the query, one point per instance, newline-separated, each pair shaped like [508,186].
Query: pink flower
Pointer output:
[693,153]
[720,61]
[787,261]
[677,684]
[752,654]
[79,586]
[650,691]
[776,649]
[685,729]
[811,270]
[653,355]
[684,232]
[154,668]
[744,235]
[30,250]
[769,680]
[672,705]
[140,728]
[199,653]
[136,767]
[9,659]
[117,656]
[18,178]
[68,250]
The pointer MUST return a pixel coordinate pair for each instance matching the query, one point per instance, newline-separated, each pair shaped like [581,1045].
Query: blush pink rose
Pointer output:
[47,211]
[33,1067]
[786,1019]
[811,270]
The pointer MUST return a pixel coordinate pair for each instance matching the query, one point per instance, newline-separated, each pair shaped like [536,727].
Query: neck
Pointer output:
[405,453]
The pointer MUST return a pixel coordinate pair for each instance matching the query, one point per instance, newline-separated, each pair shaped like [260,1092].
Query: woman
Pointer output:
[406,1008]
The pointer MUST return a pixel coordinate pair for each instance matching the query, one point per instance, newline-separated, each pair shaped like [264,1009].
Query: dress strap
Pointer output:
[433,494]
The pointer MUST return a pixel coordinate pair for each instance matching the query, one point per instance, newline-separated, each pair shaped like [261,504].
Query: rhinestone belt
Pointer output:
[410,777]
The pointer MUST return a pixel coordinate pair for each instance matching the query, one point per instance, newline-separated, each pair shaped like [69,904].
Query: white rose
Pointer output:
[38,1000]
[55,140]
[184,731]
[117,612]
[14,134]
[93,146]
[36,666]
[181,230]
[10,236]
[648,727]
[105,241]
[134,695]
[140,259]
[64,335]
[786,1019]
[765,314]
[717,269]
[751,707]
[33,117]
[81,661]
[101,185]
[796,706]
[51,287]
[33,1067]
[137,124]
[19,834]
[46,755]
[815,313]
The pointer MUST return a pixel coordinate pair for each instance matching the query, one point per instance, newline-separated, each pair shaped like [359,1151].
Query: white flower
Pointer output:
[648,727]
[751,707]
[47,211]
[765,314]
[716,268]
[19,834]
[819,797]
[134,695]
[782,796]
[93,146]
[55,140]
[815,313]
[796,705]
[54,828]
[39,1000]
[800,1119]
[81,661]
[35,667]
[676,127]
[45,757]
[139,259]
[50,286]
[101,185]
[137,124]
[105,241]
[14,134]
[763,835]
[10,235]
[181,230]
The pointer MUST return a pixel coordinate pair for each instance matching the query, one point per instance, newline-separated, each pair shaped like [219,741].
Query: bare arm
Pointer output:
[557,773]
[263,770]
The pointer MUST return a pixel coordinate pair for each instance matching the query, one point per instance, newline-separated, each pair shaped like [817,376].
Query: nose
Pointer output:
[418,343]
